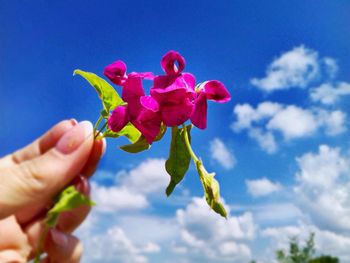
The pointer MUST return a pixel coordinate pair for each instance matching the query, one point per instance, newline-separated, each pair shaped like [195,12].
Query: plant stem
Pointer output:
[98,123]
[100,131]
[188,146]
[41,244]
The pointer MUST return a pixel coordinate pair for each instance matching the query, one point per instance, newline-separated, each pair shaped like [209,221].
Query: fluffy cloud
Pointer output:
[262,187]
[323,188]
[329,93]
[290,121]
[133,187]
[221,154]
[214,239]
[295,68]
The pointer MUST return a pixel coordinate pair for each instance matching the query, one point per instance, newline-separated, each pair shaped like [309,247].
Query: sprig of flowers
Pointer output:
[174,100]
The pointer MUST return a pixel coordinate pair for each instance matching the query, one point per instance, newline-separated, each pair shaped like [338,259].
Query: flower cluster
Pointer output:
[174,97]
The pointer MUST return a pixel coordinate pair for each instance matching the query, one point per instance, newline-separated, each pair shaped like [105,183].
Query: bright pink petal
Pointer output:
[168,63]
[175,114]
[143,75]
[189,79]
[149,103]
[199,116]
[148,123]
[118,119]
[116,72]
[131,93]
[216,91]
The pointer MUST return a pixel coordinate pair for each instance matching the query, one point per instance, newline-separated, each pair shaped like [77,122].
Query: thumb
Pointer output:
[38,180]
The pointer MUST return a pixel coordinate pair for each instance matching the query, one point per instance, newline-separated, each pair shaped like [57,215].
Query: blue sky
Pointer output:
[280,148]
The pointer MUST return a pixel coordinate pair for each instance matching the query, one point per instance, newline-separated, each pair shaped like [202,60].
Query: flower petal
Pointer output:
[176,113]
[143,75]
[216,91]
[149,103]
[116,72]
[131,93]
[118,119]
[168,63]
[189,79]
[148,123]
[199,116]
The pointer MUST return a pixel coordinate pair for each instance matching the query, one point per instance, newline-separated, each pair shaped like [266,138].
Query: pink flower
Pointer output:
[118,119]
[143,110]
[174,92]
[116,72]
[208,90]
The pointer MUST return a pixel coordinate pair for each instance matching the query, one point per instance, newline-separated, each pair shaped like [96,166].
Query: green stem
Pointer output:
[101,130]
[41,244]
[188,146]
[98,123]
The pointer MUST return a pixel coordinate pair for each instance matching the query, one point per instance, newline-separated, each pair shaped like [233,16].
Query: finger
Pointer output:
[98,150]
[40,145]
[67,221]
[14,246]
[40,179]
[61,247]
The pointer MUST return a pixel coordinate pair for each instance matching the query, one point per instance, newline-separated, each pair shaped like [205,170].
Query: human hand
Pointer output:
[29,180]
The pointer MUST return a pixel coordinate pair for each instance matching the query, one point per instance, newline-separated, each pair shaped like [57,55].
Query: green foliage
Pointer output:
[109,97]
[303,255]
[140,145]
[128,131]
[179,157]
[324,259]
[211,189]
[68,199]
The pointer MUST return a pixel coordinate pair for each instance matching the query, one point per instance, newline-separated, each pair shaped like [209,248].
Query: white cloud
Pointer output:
[262,187]
[133,187]
[222,154]
[115,198]
[295,68]
[328,93]
[114,246]
[269,119]
[323,188]
[212,238]
[331,66]
[148,177]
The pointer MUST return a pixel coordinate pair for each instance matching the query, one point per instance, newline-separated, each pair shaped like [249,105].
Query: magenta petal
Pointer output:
[168,63]
[118,119]
[189,79]
[116,72]
[143,75]
[175,114]
[199,116]
[149,103]
[216,91]
[148,123]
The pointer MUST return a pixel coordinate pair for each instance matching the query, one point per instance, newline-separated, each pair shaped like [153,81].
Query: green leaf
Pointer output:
[179,158]
[128,131]
[140,145]
[68,199]
[108,95]
[211,189]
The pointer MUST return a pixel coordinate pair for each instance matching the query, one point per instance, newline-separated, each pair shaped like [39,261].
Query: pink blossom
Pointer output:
[118,119]
[174,92]
[116,72]
[208,90]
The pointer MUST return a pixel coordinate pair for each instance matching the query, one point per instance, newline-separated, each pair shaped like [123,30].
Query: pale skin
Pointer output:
[29,180]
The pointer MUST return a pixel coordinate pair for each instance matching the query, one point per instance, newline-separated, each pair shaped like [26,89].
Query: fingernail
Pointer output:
[82,185]
[58,237]
[74,121]
[73,138]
